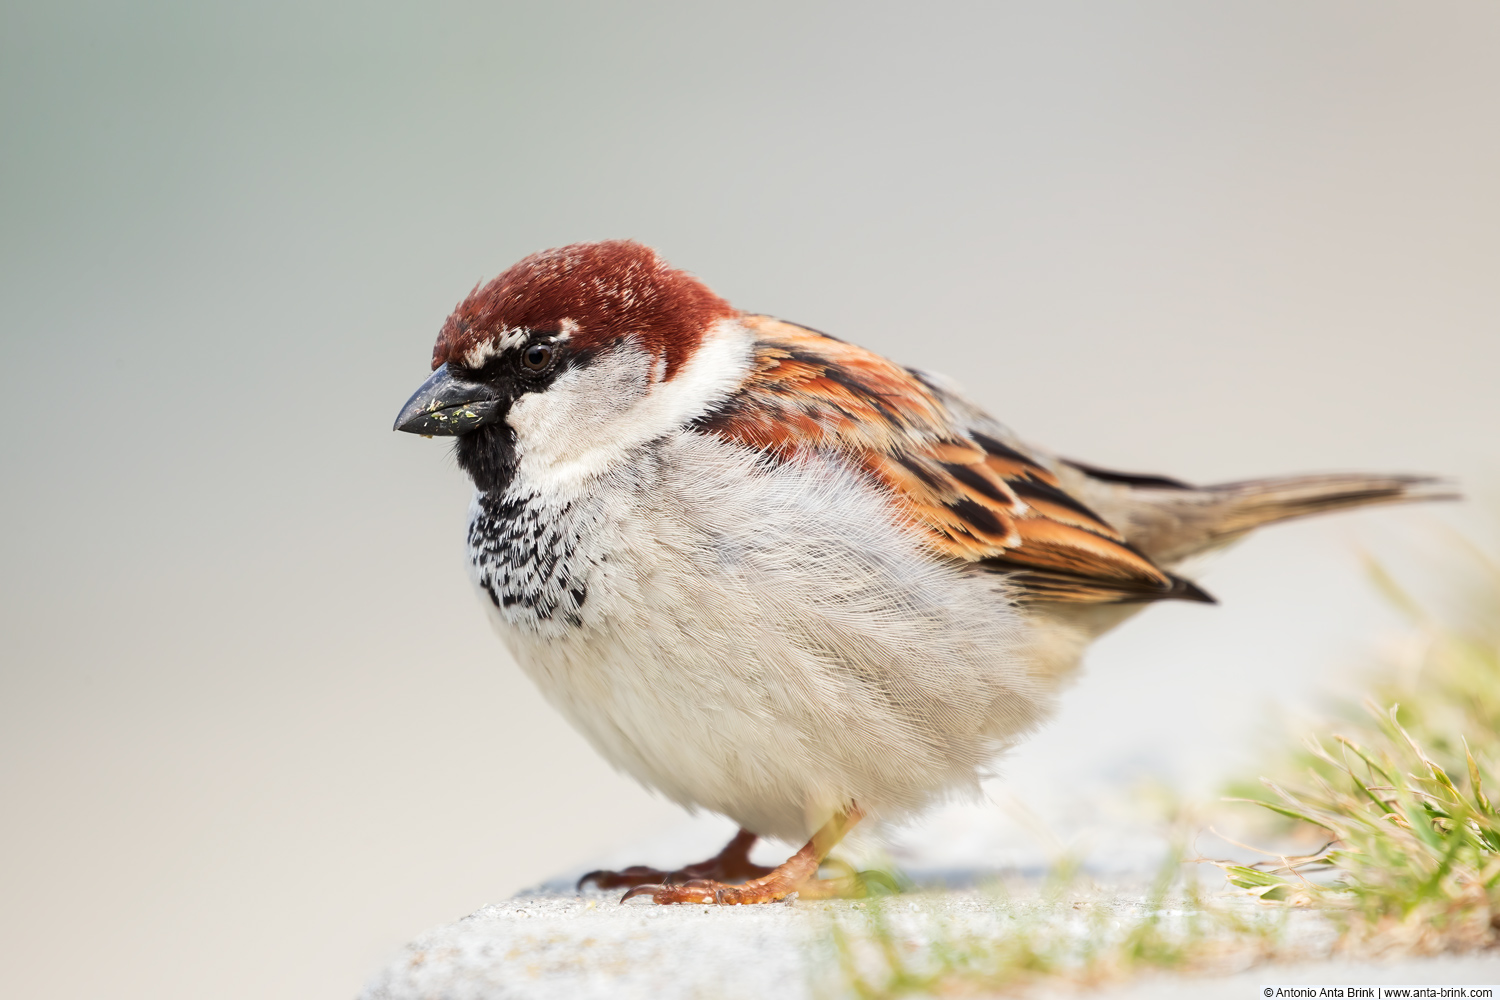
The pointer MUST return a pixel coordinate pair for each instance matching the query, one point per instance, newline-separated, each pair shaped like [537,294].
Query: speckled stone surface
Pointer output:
[552,943]
[547,945]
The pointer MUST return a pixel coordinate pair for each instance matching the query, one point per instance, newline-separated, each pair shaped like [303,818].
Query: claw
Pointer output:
[642,890]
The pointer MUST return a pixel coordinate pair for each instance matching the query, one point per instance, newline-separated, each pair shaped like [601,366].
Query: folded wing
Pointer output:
[974,497]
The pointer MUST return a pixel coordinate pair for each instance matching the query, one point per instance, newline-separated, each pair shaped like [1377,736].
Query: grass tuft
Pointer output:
[1413,858]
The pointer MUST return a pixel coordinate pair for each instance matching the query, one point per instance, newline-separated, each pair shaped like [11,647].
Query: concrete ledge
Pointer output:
[573,947]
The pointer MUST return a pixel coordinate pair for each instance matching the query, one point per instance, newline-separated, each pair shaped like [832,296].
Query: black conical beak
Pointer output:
[444,405]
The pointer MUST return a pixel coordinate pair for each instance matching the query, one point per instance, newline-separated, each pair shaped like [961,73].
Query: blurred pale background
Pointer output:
[255,732]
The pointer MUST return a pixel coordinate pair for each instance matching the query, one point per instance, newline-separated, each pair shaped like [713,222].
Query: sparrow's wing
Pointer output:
[977,498]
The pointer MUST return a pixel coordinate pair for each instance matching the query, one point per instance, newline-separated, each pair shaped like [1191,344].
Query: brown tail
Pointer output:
[1250,504]
[1170,520]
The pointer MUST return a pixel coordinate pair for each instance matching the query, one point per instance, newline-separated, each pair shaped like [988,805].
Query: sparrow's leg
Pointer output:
[798,874]
[732,864]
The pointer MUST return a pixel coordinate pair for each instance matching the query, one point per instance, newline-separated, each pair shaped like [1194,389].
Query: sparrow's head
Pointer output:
[572,357]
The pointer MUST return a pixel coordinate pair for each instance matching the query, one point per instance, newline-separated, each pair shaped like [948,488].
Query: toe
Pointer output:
[696,891]
[632,876]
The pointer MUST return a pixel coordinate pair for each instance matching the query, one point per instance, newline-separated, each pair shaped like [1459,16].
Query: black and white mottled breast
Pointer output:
[527,554]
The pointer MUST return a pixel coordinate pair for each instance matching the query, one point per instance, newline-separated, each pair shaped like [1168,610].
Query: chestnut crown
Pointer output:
[593,294]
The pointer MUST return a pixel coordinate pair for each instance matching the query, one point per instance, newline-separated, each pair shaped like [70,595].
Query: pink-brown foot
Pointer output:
[798,874]
[732,864]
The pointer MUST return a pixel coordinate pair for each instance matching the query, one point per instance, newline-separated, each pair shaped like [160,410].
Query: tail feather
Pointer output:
[1171,521]
[1250,504]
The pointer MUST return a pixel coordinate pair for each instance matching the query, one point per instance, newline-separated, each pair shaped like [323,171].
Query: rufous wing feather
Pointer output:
[975,498]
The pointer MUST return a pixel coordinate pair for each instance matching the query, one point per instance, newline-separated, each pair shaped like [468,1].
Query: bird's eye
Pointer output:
[536,357]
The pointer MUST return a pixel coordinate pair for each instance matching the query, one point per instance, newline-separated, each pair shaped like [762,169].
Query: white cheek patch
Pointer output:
[591,418]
